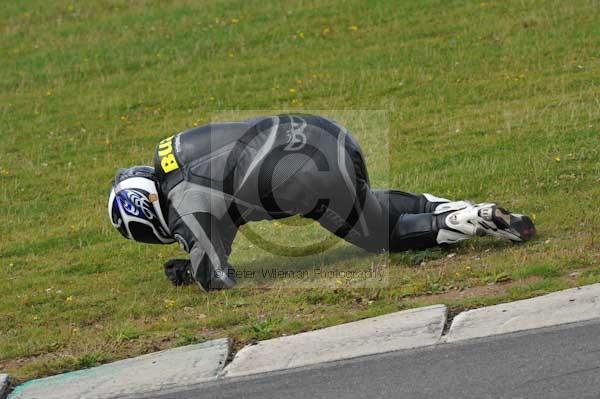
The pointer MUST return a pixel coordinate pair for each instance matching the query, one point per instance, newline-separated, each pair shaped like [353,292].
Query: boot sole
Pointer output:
[520,225]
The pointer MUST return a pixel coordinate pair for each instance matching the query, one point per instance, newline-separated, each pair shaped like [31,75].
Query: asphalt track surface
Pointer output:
[555,362]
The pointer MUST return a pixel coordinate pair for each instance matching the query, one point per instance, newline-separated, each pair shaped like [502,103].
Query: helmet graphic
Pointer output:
[134,208]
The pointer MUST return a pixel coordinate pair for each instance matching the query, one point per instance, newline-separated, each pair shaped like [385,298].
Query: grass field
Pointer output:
[482,100]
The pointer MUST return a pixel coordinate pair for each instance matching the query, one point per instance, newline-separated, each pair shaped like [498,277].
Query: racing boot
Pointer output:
[442,205]
[486,219]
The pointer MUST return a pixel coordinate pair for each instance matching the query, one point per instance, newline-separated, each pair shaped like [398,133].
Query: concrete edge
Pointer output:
[4,385]
[561,307]
[223,362]
[162,370]
[408,329]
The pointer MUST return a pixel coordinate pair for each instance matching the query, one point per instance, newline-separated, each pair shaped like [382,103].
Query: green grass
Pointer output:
[537,270]
[479,100]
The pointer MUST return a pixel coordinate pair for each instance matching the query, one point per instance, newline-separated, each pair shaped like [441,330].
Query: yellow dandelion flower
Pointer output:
[234,20]
[325,30]
[354,28]
[230,55]
[69,298]
[292,91]
[169,303]
[557,159]
[301,35]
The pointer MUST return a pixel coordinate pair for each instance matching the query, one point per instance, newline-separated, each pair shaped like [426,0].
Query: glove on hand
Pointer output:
[179,271]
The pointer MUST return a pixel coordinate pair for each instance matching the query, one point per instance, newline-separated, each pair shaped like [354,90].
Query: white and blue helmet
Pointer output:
[134,207]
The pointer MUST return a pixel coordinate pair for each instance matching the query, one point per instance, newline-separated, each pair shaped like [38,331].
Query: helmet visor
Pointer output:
[143,232]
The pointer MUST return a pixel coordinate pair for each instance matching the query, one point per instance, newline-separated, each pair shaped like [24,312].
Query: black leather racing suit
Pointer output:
[217,177]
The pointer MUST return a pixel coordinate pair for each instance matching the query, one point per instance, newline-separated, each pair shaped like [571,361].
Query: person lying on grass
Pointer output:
[210,180]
